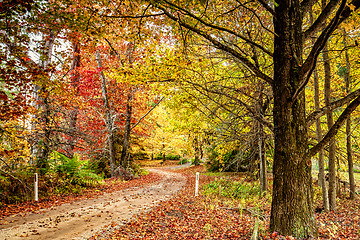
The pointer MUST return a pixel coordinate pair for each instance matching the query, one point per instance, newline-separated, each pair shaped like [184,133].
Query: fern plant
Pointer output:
[77,171]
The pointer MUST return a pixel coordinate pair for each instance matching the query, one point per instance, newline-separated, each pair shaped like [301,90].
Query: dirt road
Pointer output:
[84,219]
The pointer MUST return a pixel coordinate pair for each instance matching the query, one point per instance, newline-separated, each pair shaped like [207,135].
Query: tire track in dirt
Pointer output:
[83,219]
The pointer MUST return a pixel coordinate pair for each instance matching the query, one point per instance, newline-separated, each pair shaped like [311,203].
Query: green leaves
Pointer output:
[77,171]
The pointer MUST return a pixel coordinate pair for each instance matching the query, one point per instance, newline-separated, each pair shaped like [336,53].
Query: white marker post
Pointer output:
[197,185]
[36,189]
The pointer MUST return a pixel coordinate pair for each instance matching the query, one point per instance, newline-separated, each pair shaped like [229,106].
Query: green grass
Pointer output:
[231,189]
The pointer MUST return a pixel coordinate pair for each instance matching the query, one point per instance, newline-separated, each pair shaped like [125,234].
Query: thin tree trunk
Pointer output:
[75,77]
[321,152]
[319,136]
[262,156]
[261,140]
[348,124]
[330,122]
[42,148]
[108,117]
[127,130]
[196,151]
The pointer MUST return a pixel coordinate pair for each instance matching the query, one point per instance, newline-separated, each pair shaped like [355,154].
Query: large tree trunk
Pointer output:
[348,124]
[292,205]
[330,123]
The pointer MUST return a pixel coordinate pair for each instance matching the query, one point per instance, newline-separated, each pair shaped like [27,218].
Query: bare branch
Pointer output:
[17,179]
[114,50]
[253,112]
[146,114]
[132,17]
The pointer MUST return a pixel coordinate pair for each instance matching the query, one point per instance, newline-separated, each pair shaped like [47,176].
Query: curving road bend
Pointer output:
[86,218]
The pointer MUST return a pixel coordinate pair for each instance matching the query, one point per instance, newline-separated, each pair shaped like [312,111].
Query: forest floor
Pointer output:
[215,217]
[148,208]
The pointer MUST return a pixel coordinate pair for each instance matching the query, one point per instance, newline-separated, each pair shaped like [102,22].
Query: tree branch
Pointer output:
[321,20]
[317,114]
[132,17]
[310,62]
[335,128]
[114,50]
[221,46]
[188,13]
[256,116]
[267,7]
[17,179]
[146,114]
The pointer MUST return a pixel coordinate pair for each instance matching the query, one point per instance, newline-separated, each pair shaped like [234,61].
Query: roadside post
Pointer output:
[36,187]
[197,185]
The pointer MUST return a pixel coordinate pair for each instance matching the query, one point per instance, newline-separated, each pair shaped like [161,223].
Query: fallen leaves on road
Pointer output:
[110,185]
[187,217]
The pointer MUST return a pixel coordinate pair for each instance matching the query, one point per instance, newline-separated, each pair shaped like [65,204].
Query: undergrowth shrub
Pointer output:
[218,162]
[63,176]
[167,157]
[16,186]
[75,170]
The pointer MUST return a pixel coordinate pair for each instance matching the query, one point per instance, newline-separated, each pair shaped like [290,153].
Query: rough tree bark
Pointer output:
[292,205]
